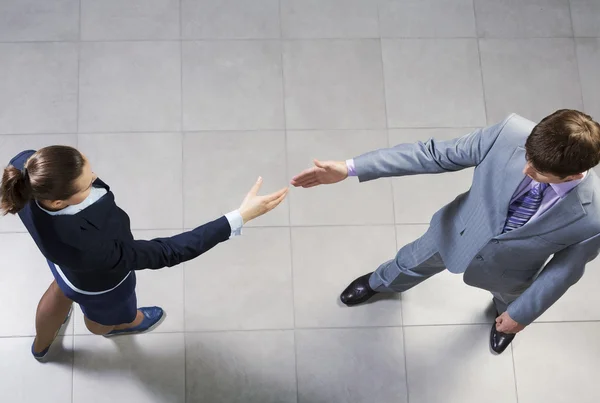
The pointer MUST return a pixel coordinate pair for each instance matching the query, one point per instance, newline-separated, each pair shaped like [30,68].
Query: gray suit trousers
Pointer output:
[416,262]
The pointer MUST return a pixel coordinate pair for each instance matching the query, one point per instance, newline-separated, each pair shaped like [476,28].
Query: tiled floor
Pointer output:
[180,104]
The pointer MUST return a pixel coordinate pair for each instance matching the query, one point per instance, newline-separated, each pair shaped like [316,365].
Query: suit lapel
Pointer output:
[97,214]
[99,183]
[566,211]
[513,176]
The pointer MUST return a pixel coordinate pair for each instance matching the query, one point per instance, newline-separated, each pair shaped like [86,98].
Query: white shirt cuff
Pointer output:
[235,222]
[351,167]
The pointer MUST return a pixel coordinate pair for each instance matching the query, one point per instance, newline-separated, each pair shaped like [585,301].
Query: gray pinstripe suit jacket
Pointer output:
[468,231]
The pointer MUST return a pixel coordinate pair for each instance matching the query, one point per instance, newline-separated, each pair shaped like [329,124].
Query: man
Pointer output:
[533,196]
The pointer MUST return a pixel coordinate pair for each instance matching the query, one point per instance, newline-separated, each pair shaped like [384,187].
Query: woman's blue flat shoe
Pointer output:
[153,316]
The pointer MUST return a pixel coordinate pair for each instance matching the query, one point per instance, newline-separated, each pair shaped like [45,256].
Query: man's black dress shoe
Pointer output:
[358,291]
[499,341]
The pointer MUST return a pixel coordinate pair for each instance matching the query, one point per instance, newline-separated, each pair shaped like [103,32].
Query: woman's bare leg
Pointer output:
[97,328]
[51,312]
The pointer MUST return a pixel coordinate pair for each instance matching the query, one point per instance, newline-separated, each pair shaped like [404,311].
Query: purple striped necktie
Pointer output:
[525,207]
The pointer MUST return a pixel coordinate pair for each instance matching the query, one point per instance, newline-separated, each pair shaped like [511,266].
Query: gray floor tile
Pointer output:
[18,368]
[326,260]
[426,18]
[444,298]
[11,145]
[351,366]
[329,19]
[39,20]
[347,203]
[142,368]
[40,94]
[130,86]
[441,358]
[532,77]
[133,19]
[586,17]
[24,278]
[417,198]
[439,87]
[245,72]
[333,84]
[233,287]
[230,19]
[221,167]
[240,367]
[558,362]
[588,56]
[155,160]
[523,19]
[231,85]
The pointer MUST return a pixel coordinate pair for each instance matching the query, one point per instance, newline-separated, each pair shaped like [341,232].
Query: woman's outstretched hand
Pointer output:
[254,205]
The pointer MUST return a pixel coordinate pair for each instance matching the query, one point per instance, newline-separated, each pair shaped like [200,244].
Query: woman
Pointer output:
[87,241]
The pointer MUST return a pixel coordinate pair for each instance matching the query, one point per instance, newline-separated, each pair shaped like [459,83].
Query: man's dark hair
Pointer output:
[564,143]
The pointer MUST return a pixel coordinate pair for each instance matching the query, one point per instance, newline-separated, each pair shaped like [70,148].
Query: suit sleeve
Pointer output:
[160,252]
[564,270]
[428,157]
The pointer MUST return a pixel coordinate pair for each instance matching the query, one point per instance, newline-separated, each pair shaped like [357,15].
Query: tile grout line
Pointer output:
[309,328]
[72,366]
[183,137]
[391,186]
[286,161]
[383,80]
[571,20]
[191,132]
[578,68]
[76,145]
[289,207]
[512,354]
[252,228]
[403,326]
[347,39]
[477,40]
[578,72]
[576,55]
[77,106]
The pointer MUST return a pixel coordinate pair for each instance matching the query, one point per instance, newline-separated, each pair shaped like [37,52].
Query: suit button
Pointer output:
[495,241]
[479,257]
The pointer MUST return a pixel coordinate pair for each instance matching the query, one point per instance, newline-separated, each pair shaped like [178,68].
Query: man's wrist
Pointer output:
[351,167]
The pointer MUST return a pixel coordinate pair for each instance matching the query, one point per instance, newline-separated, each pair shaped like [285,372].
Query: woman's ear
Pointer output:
[57,204]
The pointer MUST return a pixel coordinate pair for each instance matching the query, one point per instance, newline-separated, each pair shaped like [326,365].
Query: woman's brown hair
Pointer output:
[49,174]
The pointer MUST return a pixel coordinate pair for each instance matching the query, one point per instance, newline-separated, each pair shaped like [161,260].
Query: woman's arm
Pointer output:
[160,252]
[166,252]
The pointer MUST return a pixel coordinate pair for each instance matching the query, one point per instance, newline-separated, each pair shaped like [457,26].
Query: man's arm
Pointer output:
[427,157]
[564,270]
[406,159]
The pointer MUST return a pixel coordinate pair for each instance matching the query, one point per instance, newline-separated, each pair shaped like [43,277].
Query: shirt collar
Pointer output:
[563,188]
[95,195]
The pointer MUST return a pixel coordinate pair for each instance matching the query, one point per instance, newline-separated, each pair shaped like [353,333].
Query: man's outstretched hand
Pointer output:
[254,205]
[323,173]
